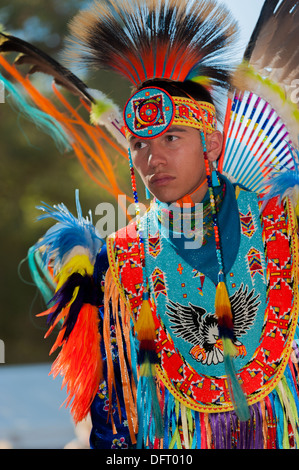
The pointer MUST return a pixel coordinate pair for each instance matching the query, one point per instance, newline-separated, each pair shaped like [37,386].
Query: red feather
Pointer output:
[79,362]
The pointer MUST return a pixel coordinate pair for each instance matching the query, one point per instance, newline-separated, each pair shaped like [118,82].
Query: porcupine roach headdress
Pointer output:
[175,41]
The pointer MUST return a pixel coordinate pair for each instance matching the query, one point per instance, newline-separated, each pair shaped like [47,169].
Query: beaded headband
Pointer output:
[151,111]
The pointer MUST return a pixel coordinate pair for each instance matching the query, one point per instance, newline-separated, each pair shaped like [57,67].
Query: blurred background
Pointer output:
[33,170]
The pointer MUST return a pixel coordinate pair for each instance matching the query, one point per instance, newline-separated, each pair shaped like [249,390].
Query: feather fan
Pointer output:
[39,61]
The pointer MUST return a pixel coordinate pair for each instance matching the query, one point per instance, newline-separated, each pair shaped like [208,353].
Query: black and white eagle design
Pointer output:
[193,324]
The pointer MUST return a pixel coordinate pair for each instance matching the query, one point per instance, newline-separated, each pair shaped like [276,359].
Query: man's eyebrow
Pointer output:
[171,129]
[176,129]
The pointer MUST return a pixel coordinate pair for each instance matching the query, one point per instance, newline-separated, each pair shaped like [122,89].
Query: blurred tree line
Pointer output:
[32,170]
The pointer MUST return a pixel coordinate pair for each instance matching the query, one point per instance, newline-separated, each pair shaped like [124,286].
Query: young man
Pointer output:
[187,395]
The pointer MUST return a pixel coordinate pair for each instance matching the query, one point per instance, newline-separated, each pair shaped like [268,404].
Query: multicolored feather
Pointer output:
[90,143]
[70,249]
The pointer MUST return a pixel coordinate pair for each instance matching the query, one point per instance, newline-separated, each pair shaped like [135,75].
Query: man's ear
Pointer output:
[214,145]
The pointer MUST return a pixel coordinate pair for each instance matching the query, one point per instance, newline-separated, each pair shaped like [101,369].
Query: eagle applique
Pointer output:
[193,324]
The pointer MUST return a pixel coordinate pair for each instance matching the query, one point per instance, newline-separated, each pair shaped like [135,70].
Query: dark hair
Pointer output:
[185,89]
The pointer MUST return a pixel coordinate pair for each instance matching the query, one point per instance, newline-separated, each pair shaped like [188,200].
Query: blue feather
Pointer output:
[283,183]
[40,276]
[67,233]
[42,120]
[237,394]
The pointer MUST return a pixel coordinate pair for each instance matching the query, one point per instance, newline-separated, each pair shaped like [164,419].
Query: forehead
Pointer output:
[172,130]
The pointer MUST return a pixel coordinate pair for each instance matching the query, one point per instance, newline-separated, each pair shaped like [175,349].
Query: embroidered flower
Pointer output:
[103,390]
[119,443]
[106,407]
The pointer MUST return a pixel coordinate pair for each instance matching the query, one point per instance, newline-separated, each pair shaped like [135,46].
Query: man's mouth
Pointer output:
[160,179]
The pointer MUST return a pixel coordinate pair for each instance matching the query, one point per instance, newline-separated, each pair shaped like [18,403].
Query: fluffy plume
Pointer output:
[145,39]
[105,112]
[69,237]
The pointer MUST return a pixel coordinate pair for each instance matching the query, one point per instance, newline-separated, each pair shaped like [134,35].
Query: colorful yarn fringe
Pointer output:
[272,424]
[113,306]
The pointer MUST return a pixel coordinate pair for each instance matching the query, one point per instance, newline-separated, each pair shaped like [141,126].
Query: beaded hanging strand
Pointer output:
[137,212]
[223,308]
[213,204]
[145,325]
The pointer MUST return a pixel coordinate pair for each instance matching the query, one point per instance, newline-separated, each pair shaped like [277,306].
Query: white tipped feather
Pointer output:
[105,112]
[271,61]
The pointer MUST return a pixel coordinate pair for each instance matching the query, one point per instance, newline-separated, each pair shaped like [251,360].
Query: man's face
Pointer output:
[171,165]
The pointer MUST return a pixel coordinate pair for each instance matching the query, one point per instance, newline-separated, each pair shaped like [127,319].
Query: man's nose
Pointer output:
[156,155]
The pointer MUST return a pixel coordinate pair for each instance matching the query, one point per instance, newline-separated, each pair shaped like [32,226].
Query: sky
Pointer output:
[246,13]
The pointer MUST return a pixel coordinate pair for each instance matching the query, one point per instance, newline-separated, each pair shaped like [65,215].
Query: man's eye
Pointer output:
[139,145]
[171,138]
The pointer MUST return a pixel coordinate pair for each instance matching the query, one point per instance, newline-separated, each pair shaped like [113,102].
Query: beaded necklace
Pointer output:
[179,219]
[223,308]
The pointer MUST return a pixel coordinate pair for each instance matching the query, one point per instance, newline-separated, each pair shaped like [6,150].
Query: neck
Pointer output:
[194,196]
[197,194]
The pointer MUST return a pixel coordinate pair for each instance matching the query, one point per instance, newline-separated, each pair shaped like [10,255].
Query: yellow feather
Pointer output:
[145,325]
[77,264]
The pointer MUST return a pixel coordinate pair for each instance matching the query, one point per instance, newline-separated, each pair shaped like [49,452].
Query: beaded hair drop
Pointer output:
[223,308]
[145,325]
